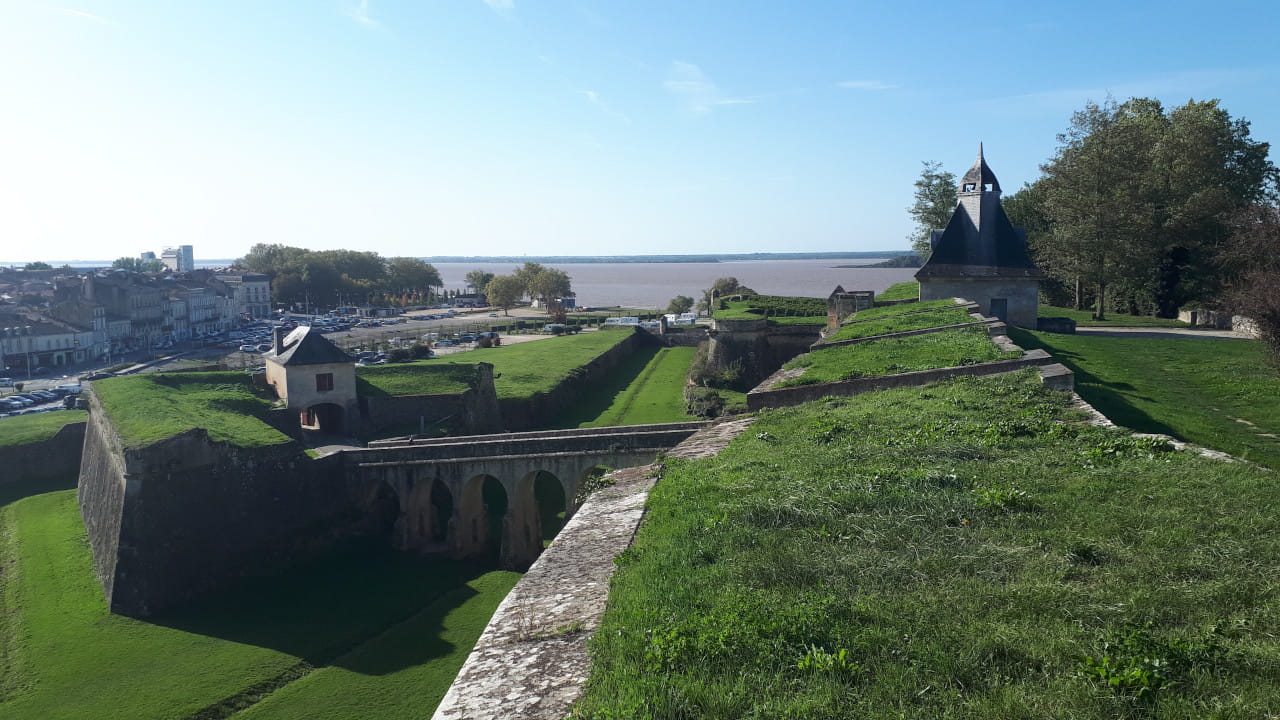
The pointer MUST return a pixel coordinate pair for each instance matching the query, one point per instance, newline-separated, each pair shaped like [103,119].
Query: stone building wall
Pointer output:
[1021,292]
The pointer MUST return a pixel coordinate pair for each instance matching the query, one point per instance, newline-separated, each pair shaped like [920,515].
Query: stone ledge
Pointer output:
[531,661]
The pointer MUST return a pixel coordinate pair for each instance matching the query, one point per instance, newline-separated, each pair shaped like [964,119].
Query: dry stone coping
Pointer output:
[531,661]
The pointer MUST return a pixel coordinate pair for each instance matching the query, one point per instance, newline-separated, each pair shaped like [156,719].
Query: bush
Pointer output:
[400,355]
[704,402]
[421,352]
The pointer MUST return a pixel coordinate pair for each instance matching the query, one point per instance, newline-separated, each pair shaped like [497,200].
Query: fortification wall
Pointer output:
[51,461]
[172,520]
[543,409]
[757,348]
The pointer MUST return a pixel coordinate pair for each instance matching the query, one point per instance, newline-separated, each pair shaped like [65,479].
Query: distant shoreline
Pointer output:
[558,259]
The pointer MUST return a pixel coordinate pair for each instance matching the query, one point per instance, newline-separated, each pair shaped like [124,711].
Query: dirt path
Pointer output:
[1161,332]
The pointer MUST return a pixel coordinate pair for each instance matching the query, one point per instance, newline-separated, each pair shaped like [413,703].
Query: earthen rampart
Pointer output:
[50,461]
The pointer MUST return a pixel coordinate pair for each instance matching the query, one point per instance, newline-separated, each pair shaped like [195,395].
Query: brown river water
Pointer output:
[652,285]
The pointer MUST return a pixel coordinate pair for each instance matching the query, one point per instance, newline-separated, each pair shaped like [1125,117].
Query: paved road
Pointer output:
[1161,332]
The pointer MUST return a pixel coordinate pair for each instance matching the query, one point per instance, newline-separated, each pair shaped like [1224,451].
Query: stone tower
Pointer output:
[981,256]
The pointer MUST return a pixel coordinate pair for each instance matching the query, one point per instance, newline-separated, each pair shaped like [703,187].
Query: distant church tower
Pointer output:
[981,256]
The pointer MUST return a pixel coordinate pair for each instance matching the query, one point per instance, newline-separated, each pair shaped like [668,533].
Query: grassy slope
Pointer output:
[901,291]
[27,429]
[888,310]
[944,552]
[953,315]
[946,348]
[64,656]
[534,367]
[147,408]
[656,395]
[1084,318]
[1196,389]
[415,378]
[779,309]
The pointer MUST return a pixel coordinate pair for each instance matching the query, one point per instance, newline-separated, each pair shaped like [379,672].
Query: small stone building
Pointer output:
[981,256]
[316,378]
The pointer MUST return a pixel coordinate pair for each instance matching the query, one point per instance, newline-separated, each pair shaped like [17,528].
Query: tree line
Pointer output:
[341,277]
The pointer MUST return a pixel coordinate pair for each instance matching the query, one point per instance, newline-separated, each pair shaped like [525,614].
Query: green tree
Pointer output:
[410,275]
[526,273]
[931,207]
[504,291]
[478,279]
[680,304]
[722,287]
[37,266]
[550,285]
[138,264]
[1250,262]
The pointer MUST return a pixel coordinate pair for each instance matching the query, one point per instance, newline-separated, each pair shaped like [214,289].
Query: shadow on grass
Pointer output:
[602,396]
[321,609]
[15,491]
[1110,399]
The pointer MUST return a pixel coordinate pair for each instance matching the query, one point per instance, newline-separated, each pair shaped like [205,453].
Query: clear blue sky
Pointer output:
[542,127]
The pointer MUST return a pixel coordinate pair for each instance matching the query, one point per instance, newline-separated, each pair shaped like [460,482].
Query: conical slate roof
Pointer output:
[980,240]
[303,347]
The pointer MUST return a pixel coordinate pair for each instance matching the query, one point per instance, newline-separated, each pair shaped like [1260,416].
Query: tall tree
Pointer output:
[504,291]
[722,287]
[37,265]
[137,264]
[526,273]
[408,274]
[478,278]
[680,304]
[550,285]
[932,204]
[1251,264]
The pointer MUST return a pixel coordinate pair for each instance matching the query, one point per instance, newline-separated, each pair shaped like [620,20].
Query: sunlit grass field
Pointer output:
[27,429]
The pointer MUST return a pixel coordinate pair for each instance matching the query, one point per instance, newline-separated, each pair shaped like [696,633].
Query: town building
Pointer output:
[981,256]
[252,293]
[179,259]
[32,342]
[315,378]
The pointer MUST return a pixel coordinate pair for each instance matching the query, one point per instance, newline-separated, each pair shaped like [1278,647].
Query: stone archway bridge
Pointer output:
[436,487]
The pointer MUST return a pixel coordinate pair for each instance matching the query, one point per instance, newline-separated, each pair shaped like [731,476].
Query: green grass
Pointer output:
[654,395]
[945,348]
[901,291]
[147,408]
[780,310]
[359,621]
[885,311]
[1213,392]
[524,369]
[1084,318]
[947,315]
[415,378]
[945,552]
[28,429]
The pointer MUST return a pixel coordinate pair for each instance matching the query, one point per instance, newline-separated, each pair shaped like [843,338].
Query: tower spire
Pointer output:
[979,178]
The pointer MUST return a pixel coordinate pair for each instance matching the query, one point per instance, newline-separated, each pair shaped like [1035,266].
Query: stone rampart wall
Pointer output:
[544,408]
[54,460]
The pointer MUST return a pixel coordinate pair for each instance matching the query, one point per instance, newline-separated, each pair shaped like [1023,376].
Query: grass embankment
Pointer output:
[525,368]
[945,348]
[147,408]
[901,291]
[647,387]
[28,429]
[948,551]
[951,314]
[1213,392]
[415,378]
[378,619]
[1084,318]
[780,310]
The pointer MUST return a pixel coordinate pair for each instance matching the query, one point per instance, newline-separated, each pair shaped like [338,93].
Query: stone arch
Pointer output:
[552,499]
[425,522]
[584,479]
[324,418]
[480,513]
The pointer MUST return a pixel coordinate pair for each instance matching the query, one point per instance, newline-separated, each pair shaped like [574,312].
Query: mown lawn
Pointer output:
[945,348]
[779,309]
[415,378]
[523,369]
[953,551]
[147,408]
[1213,392]
[373,616]
[654,395]
[885,311]
[946,315]
[27,429]
[901,291]
[1084,318]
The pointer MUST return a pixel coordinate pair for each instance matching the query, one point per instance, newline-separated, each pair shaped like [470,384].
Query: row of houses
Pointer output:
[54,320]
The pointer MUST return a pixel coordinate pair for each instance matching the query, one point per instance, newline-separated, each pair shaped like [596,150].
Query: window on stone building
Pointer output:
[324,382]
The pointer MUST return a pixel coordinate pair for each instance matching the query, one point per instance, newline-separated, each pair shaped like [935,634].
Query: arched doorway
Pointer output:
[325,418]
[424,520]
[553,506]
[482,507]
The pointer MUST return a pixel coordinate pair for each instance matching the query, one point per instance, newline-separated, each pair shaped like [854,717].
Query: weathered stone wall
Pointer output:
[544,408]
[184,515]
[1021,292]
[472,412]
[757,348]
[53,460]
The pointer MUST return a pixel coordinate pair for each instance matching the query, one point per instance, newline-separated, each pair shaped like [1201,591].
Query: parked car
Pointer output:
[444,343]
[99,375]
[6,382]
[263,347]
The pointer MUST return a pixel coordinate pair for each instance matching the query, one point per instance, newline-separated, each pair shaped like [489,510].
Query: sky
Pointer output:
[540,127]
